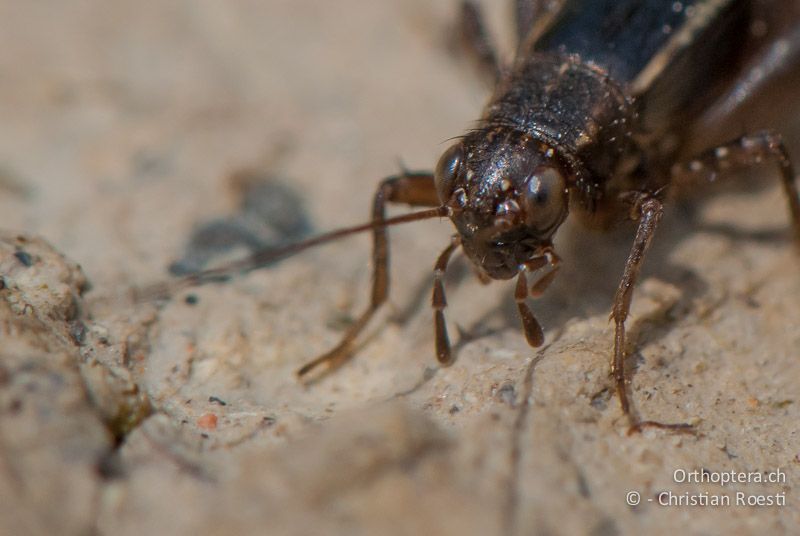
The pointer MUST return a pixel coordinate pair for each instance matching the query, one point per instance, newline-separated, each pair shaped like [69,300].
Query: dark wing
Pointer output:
[674,57]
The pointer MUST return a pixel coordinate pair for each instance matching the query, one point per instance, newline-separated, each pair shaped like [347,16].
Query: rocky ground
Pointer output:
[139,136]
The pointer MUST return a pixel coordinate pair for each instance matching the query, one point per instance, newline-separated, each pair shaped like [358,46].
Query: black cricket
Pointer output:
[590,119]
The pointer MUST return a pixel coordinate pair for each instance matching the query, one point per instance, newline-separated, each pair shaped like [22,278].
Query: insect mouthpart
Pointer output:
[508,213]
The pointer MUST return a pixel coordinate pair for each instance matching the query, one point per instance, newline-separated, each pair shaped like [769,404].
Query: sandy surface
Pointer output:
[127,126]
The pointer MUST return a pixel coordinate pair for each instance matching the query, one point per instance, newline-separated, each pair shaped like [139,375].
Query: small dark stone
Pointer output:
[217,400]
[605,527]
[191,299]
[15,406]
[77,331]
[24,257]
[507,394]
[600,400]
[110,466]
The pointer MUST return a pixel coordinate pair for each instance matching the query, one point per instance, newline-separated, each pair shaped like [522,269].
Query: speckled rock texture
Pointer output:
[139,137]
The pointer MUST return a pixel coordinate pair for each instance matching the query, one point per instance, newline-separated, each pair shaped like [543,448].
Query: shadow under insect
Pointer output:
[270,214]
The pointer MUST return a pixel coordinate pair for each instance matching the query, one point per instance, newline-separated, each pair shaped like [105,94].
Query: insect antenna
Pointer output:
[264,257]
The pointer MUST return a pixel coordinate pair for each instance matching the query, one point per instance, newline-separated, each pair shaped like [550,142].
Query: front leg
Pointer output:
[649,211]
[416,189]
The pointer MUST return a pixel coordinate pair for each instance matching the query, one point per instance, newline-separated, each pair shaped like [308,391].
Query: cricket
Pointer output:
[589,120]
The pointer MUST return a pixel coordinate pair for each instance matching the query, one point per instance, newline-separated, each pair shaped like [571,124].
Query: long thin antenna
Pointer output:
[267,256]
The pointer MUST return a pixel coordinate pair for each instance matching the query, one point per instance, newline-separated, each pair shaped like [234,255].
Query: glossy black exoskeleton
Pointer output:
[593,118]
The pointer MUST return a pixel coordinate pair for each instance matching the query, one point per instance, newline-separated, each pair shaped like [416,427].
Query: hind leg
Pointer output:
[745,152]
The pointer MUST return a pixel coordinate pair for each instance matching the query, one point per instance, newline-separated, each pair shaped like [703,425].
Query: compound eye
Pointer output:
[545,199]
[447,171]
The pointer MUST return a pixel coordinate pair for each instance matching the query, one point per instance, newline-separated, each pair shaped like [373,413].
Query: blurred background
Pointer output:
[139,137]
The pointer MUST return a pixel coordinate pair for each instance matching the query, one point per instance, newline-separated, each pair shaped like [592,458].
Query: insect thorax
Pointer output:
[575,108]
